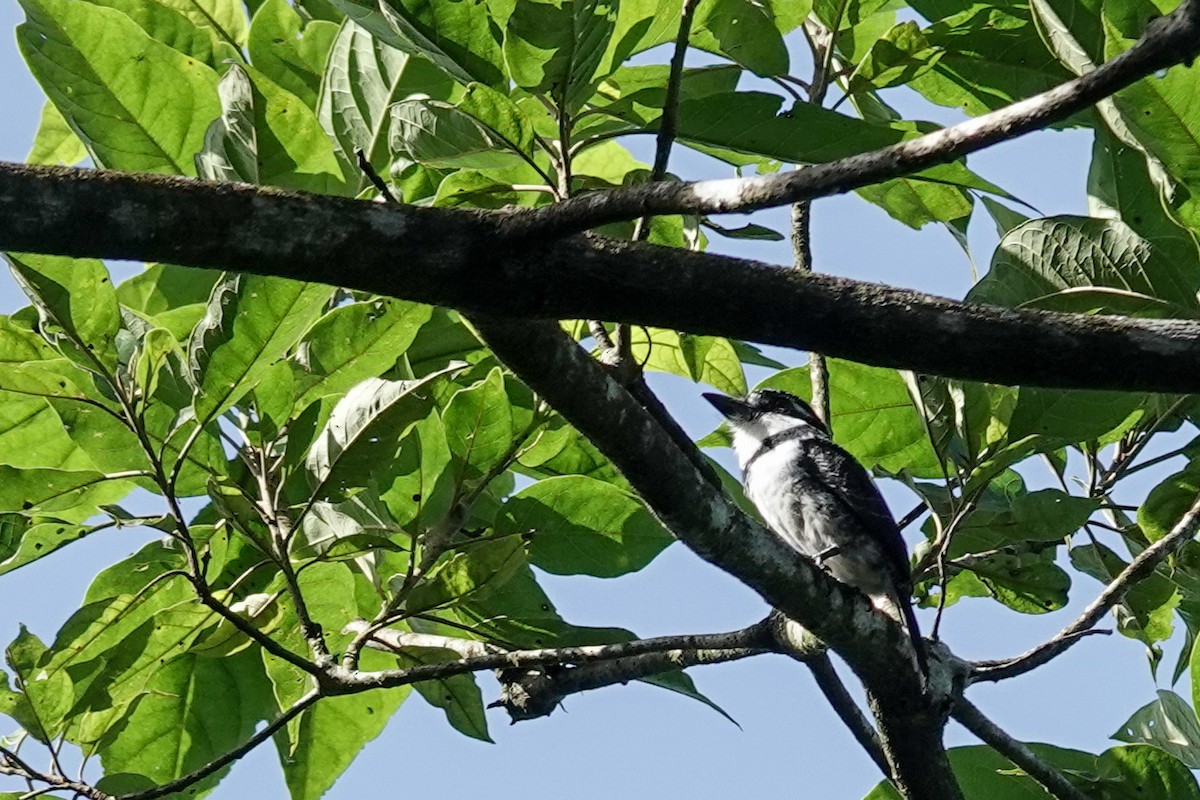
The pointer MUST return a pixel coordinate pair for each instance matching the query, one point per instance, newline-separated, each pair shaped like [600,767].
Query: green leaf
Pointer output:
[1030,583]
[516,611]
[639,26]
[365,433]
[354,342]
[1121,184]
[704,359]
[172,297]
[317,748]
[195,710]
[633,96]
[992,56]
[251,321]
[479,425]
[469,575]
[1144,773]
[858,25]
[681,683]
[231,143]
[24,540]
[1160,111]
[47,698]
[437,134]
[352,527]
[1169,724]
[873,416]
[1036,264]
[1147,610]
[745,127]
[743,31]
[31,367]
[364,76]
[173,27]
[458,696]
[553,47]
[457,38]
[898,57]
[1169,501]
[227,18]
[1005,218]
[77,306]
[137,104]
[1073,415]
[917,203]
[1120,773]
[559,449]
[289,52]
[442,341]
[293,149]
[420,484]
[579,525]
[750,231]
[50,490]
[55,142]
[268,135]
[1006,513]
[15,704]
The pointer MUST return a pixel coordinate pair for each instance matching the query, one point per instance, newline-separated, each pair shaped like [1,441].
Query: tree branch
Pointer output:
[1138,569]
[847,710]
[460,259]
[12,764]
[1017,752]
[1167,41]
[709,523]
[533,693]
[674,652]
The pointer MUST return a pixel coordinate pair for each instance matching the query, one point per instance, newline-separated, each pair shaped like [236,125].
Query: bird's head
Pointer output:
[764,413]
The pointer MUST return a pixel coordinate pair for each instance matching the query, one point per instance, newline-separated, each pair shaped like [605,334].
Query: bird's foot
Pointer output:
[826,554]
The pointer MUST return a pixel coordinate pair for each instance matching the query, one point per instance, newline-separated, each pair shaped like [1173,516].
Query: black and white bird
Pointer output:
[820,500]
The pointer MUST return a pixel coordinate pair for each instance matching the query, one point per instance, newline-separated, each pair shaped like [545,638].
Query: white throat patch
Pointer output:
[749,436]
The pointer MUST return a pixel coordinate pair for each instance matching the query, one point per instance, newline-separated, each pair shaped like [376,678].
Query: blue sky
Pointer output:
[646,741]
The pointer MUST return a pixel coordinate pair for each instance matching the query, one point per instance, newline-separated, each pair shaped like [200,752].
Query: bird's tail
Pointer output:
[899,607]
[914,633]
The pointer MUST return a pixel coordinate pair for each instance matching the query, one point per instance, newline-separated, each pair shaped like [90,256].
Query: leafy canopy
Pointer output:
[361,456]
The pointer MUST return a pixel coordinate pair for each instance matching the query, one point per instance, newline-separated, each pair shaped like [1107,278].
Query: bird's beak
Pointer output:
[730,407]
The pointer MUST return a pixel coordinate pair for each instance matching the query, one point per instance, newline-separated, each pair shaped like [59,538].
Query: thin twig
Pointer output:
[668,125]
[755,638]
[233,755]
[365,167]
[12,764]
[1138,569]
[1015,751]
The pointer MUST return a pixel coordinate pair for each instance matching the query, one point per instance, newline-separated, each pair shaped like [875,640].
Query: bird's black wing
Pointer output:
[853,487]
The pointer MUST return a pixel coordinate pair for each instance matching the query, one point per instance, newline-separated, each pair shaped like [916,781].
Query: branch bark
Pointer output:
[461,259]
[1167,41]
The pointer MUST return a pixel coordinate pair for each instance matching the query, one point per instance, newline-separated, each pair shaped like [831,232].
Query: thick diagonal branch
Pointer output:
[1167,41]
[708,522]
[1139,568]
